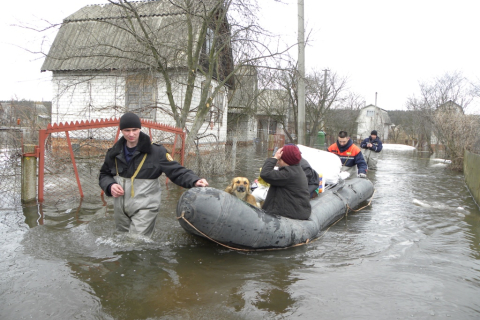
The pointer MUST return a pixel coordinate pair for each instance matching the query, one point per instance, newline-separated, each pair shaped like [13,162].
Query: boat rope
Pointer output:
[272,249]
[369,202]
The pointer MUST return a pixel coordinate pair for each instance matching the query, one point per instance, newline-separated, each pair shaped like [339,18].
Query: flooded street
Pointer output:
[414,253]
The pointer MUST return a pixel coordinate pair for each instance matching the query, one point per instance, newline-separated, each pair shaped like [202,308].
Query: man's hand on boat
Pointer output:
[201,183]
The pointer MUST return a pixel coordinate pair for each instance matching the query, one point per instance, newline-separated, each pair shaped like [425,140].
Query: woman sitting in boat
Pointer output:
[288,195]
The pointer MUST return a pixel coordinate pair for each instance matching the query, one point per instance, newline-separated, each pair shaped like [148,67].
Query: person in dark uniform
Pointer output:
[130,174]
[373,146]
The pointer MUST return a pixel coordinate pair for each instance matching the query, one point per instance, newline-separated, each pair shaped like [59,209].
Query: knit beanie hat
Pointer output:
[374,133]
[130,120]
[291,154]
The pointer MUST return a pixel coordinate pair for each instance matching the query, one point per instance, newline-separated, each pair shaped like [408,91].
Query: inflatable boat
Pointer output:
[229,221]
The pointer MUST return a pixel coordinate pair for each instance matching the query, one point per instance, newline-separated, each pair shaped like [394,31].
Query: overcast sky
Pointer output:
[381,46]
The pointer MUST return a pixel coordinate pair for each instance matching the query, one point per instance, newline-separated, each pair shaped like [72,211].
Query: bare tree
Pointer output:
[441,108]
[323,92]
[343,117]
[457,132]
[409,125]
[187,45]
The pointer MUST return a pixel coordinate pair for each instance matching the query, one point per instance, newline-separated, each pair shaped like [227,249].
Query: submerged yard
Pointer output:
[414,253]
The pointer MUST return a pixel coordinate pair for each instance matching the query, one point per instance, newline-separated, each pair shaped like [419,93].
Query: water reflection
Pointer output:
[180,282]
[32,213]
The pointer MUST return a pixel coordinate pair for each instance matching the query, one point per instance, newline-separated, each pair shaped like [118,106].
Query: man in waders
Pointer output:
[350,155]
[130,175]
[373,146]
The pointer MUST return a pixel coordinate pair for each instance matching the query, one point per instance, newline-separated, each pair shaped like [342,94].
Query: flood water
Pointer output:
[414,253]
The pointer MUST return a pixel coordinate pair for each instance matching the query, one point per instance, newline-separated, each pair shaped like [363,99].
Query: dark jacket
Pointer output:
[155,164]
[312,175]
[376,144]
[350,155]
[288,195]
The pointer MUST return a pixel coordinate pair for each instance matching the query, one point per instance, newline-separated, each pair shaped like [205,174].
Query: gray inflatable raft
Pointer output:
[225,219]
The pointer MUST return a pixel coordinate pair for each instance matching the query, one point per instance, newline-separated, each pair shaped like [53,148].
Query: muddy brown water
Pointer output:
[414,253]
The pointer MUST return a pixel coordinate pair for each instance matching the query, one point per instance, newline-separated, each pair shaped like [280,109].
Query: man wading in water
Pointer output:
[373,146]
[130,174]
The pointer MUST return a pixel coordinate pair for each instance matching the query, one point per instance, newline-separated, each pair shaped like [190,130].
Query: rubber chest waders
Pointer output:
[132,192]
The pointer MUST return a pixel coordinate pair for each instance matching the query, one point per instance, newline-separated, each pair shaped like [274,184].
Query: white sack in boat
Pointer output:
[260,193]
[324,162]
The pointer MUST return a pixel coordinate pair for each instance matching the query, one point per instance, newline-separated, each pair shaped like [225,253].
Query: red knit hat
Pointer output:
[291,154]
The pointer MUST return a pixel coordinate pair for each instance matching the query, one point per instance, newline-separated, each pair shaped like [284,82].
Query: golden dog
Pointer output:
[240,188]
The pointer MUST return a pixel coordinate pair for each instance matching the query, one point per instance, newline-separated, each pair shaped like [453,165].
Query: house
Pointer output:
[450,106]
[273,113]
[444,110]
[242,106]
[104,62]
[257,113]
[371,118]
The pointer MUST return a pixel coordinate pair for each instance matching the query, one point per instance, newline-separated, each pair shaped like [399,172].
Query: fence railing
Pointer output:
[70,154]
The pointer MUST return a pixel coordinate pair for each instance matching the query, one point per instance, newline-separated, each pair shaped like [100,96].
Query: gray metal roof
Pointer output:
[106,37]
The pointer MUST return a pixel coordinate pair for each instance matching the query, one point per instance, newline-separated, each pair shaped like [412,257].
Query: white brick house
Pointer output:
[97,73]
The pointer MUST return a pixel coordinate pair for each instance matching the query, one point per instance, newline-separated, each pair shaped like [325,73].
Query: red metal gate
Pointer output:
[77,150]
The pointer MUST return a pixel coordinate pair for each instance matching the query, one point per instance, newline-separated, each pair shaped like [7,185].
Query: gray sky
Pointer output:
[381,46]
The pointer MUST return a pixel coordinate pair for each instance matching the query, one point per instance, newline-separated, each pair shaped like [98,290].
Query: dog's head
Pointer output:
[240,187]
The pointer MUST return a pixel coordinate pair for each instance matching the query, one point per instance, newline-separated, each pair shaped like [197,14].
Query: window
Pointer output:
[218,103]
[273,127]
[209,41]
[370,113]
[141,95]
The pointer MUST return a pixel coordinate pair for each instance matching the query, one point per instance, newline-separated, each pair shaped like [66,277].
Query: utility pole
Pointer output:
[301,74]
[324,96]
[325,85]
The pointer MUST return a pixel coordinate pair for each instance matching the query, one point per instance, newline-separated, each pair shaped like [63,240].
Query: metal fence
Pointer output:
[10,167]
[209,156]
[71,155]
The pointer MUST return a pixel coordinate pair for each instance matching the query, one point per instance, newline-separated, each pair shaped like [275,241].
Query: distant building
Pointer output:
[445,108]
[23,113]
[274,111]
[450,106]
[242,106]
[371,118]
[257,113]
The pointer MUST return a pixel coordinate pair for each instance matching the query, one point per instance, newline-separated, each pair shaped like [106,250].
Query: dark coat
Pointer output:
[288,195]
[376,144]
[155,164]
[312,175]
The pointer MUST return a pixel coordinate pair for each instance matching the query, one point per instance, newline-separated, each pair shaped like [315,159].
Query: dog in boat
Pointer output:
[240,188]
